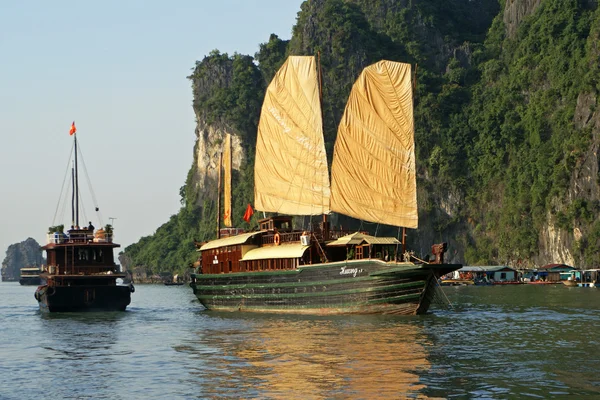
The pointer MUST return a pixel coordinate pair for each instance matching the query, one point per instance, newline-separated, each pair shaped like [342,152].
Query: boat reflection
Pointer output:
[365,357]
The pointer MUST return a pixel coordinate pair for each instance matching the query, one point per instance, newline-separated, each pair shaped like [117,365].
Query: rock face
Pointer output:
[209,148]
[19,255]
[556,244]
[515,11]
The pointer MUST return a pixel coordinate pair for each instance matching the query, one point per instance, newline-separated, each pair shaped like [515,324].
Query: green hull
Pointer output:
[347,287]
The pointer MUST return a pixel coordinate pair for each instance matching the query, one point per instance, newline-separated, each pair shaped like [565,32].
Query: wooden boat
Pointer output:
[30,276]
[81,274]
[317,269]
[570,283]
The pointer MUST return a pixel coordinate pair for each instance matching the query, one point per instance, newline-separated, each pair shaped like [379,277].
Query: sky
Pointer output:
[118,69]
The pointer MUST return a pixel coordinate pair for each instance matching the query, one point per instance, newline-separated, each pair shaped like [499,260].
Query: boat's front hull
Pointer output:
[83,298]
[30,281]
[357,287]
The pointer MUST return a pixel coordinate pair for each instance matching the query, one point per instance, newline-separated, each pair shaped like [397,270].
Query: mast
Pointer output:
[325,222]
[76,191]
[73,195]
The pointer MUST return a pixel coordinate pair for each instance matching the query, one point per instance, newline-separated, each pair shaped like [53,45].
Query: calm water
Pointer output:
[496,343]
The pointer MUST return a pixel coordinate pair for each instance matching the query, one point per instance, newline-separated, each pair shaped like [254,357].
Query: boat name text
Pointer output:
[350,271]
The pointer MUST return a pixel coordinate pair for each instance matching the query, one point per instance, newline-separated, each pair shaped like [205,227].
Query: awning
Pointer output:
[229,241]
[293,250]
[358,238]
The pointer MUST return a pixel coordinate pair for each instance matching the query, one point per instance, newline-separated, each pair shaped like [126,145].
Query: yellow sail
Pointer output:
[373,172]
[227,181]
[290,173]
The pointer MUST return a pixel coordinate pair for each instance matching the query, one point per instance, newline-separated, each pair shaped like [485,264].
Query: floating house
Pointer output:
[488,274]
[555,272]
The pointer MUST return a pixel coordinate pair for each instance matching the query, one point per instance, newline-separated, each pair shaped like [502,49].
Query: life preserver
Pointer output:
[50,291]
[277,239]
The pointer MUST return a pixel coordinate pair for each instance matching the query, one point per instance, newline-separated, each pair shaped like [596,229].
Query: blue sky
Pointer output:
[118,69]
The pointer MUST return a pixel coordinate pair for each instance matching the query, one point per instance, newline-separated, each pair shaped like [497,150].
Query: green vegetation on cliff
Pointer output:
[502,123]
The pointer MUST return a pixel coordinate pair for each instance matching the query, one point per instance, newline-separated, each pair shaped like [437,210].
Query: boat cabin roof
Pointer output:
[486,268]
[360,238]
[291,250]
[229,241]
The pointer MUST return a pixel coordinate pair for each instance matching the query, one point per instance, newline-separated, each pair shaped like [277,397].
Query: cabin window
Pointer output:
[502,275]
[97,255]
[284,225]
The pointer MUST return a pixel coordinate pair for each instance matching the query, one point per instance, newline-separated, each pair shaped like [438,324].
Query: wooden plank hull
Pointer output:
[348,287]
[83,298]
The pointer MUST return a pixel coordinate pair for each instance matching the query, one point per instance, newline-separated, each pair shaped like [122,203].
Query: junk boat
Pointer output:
[320,270]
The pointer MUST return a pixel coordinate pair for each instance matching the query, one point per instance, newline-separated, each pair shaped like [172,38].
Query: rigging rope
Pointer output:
[441,290]
[89,181]
[63,184]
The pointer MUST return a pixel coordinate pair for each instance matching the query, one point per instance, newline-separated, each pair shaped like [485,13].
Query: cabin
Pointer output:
[277,246]
[80,251]
[274,246]
[359,245]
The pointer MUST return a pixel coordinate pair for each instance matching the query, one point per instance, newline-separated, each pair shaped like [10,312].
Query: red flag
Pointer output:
[73,129]
[248,213]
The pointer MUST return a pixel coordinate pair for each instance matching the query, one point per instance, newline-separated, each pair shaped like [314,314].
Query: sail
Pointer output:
[373,171]
[290,173]
[227,181]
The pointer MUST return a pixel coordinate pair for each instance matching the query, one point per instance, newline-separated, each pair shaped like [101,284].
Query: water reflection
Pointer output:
[83,345]
[309,357]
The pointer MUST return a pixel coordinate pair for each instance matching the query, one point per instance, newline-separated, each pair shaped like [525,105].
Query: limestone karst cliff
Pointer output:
[19,255]
[507,127]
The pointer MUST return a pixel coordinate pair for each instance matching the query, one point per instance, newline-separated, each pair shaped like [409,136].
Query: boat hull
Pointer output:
[83,298]
[30,281]
[352,287]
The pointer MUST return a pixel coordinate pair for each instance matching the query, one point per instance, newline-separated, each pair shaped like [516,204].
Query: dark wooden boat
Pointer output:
[81,274]
[249,272]
[30,276]
[318,270]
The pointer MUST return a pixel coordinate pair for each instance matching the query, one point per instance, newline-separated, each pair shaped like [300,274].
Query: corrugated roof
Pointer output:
[292,250]
[484,268]
[229,241]
[358,238]
[550,266]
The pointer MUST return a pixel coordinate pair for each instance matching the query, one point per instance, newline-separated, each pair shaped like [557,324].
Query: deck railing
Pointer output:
[79,236]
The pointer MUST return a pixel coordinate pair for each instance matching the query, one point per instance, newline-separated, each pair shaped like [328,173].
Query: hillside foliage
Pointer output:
[494,117]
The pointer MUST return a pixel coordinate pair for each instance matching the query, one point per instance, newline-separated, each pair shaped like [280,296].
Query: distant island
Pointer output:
[20,255]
